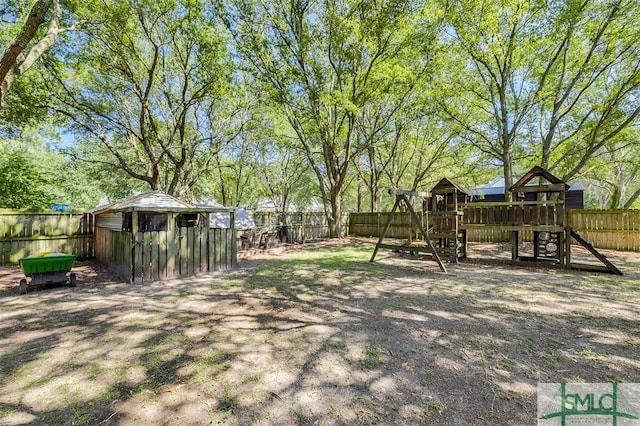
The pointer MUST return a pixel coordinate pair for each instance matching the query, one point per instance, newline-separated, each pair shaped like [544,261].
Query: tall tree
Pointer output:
[615,176]
[592,82]
[547,83]
[407,154]
[234,178]
[322,62]
[277,159]
[151,87]
[491,74]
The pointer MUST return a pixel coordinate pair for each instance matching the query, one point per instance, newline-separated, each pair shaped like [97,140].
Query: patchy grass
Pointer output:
[316,336]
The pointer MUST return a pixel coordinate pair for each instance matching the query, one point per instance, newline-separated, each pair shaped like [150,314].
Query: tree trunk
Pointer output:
[632,199]
[335,216]
[14,62]
[546,150]
[223,190]
[374,199]
[508,175]
[359,200]
[615,198]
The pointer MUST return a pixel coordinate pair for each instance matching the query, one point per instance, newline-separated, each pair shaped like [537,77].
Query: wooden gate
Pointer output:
[182,252]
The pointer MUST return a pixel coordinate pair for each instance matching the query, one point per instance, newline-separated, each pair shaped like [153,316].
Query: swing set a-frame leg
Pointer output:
[386,228]
[416,221]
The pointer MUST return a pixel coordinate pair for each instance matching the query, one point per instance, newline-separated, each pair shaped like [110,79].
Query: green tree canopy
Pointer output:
[22,182]
[322,63]
[150,89]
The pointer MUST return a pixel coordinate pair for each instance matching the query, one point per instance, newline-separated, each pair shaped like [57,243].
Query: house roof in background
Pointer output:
[242,220]
[496,186]
[496,182]
[487,190]
[268,205]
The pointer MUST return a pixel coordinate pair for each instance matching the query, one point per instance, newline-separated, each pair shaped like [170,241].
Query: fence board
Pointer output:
[155,255]
[138,259]
[608,229]
[204,258]
[27,233]
[162,255]
[213,252]
[172,244]
[223,249]
[183,252]
[147,256]
[194,243]
[300,226]
[217,247]
[229,250]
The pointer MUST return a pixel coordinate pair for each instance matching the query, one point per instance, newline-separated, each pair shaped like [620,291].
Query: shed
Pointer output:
[154,236]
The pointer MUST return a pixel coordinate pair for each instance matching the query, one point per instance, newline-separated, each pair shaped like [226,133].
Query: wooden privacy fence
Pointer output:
[25,233]
[298,226]
[372,224]
[607,229]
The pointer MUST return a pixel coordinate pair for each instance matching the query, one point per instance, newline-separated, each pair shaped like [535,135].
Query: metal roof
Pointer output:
[156,201]
[496,186]
[152,199]
[446,183]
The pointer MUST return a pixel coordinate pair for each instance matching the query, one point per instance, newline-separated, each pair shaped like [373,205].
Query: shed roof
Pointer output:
[446,183]
[155,201]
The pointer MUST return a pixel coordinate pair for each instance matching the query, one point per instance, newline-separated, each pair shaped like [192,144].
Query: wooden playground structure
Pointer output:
[538,206]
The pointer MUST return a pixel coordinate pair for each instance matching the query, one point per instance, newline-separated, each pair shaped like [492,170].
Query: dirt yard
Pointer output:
[315,336]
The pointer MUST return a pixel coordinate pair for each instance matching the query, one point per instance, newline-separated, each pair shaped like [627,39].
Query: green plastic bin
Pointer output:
[47,268]
[51,262]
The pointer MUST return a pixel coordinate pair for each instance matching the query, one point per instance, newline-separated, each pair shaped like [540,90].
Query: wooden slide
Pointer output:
[608,266]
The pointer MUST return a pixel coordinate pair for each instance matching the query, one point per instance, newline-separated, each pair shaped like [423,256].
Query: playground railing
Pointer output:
[514,214]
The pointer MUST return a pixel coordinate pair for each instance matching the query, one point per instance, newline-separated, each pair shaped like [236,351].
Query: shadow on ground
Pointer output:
[315,337]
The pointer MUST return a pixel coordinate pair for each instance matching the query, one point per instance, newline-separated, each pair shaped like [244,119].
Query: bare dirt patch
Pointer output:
[315,336]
